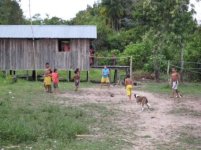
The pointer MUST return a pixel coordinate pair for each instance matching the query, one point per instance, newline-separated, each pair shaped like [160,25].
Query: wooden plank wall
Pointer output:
[18,54]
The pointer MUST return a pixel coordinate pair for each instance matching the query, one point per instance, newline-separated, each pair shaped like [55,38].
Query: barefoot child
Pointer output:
[128,86]
[105,77]
[47,71]
[48,81]
[55,79]
[77,78]
[175,78]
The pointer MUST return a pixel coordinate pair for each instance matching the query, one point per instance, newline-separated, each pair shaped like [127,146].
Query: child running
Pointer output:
[55,79]
[77,79]
[128,86]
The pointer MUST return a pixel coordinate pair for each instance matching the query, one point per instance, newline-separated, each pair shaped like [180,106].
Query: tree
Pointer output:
[165,19]
[10,12]
[114,12]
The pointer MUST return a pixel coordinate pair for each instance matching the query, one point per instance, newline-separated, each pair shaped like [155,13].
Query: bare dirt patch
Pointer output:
[143,130]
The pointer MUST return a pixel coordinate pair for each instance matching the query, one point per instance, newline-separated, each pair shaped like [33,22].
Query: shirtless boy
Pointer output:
[175,78]
[128,86]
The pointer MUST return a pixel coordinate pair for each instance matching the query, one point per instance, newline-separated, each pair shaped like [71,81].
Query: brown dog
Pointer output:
[142,100]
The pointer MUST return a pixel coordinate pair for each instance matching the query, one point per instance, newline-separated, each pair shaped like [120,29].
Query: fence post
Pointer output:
[36,76]
[168,69]
[131,67]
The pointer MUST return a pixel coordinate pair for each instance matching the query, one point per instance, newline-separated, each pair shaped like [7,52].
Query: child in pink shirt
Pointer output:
[55,79]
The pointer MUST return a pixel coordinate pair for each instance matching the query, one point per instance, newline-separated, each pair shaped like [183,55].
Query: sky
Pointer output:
[67,9]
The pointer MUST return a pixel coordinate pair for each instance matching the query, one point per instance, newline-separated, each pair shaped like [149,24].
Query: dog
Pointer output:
[142,100]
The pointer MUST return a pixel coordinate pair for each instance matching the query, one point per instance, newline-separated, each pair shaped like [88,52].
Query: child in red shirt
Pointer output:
[55,79]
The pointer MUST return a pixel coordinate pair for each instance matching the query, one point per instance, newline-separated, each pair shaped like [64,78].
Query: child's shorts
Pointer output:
[105,80]
[129,90]
[47,81]
[175,85]
[77,83]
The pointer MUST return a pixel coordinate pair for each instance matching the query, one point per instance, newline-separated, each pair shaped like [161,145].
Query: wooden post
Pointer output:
[168,69]
[110,74]
[131,67]
[27,75]
[33,74]
[69,75]
[36,76]
[87,76]
[6,73]
[182,60]
[115,75]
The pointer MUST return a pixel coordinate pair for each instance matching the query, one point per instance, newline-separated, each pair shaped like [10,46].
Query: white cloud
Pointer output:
[65,9]
[197,9]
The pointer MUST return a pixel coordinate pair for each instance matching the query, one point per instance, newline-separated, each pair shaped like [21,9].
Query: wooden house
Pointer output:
[26,47]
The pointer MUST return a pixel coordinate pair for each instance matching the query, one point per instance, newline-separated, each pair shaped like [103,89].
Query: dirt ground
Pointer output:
[162,127]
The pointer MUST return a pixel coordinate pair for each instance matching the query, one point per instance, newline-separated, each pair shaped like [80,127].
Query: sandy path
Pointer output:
[143,130]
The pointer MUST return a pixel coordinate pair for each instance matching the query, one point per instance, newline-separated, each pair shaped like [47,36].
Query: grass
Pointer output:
[165,88]
[29,119]
[94,74]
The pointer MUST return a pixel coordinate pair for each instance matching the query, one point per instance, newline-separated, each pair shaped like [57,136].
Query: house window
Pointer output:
[64,45]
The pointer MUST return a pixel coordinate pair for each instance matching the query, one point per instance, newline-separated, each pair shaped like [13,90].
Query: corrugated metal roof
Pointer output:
[48,31]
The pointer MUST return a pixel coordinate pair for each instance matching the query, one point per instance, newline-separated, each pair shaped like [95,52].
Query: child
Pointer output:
[175,78]
[48,81]
[55,79]
[128,86]
[105,76]
[47,71]
[77,78]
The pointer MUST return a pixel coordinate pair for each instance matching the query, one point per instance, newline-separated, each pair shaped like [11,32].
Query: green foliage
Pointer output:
[193,48]
[166,28]
[10,12]
[140,53]
[38,20]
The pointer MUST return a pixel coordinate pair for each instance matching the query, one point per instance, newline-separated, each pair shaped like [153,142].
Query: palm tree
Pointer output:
[114,11]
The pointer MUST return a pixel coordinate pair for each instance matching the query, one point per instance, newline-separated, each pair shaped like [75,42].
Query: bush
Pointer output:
[140,53]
